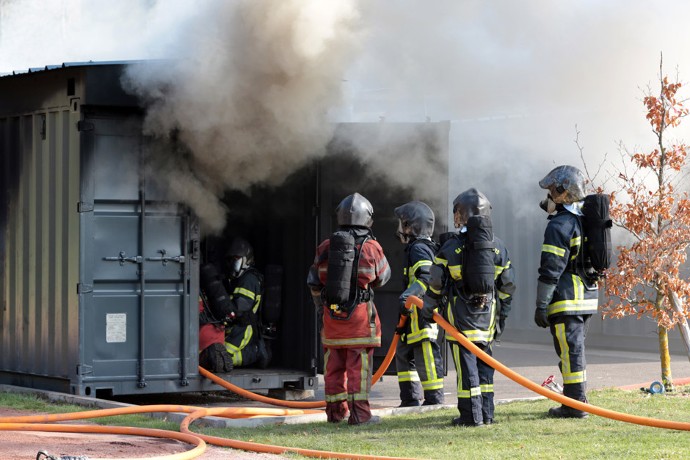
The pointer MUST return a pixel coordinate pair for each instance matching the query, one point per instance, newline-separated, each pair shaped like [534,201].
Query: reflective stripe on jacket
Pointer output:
[477,327]
[562,244]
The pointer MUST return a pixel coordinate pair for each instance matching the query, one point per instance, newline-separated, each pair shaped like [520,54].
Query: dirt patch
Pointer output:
[23,445]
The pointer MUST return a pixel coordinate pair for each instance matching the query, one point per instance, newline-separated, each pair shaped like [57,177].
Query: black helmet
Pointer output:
[239,256]
[566,178]
[355,210]
[417,217]
[470,203]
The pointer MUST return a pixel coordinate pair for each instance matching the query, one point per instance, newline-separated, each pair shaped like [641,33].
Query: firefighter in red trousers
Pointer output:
[346,269]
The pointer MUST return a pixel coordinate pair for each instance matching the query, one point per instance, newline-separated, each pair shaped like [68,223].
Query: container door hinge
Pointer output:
[83,369]
[84,206]
[83,288]
[83,125]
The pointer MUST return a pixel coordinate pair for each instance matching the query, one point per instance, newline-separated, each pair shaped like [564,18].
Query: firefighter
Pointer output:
[564,303]
[235,305]
[351,328]
[479,318]
[215,313]
[418,356]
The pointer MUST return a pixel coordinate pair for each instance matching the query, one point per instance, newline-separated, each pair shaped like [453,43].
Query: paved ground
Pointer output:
[606,368]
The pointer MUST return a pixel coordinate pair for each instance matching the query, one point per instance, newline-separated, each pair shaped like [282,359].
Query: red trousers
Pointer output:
[347,378]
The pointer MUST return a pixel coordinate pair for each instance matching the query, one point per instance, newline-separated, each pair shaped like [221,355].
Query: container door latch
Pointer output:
[164,258]
[122,258]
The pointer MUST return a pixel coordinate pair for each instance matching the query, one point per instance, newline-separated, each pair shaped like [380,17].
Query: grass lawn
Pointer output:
[522,431]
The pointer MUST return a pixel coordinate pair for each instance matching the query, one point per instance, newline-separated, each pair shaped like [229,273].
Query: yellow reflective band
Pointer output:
[257,302]
[575,241]
[440,261]
[374,341]
[464,394]
[560,252]
[455,272]
[364,375]
[475,391]
[574,377]
[476,335]
[421,263]
[245,292]
[432,385]
[563,345]
[408,376]
[487,387]
[340,397]
[430,332]
[435,291]
[503,295]
[429,363]
[421,283]
[573,305]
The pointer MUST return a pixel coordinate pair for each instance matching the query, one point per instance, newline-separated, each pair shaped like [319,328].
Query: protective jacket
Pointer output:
[562,244]
[362,328]
[245,295]
[478,325]
[416,277]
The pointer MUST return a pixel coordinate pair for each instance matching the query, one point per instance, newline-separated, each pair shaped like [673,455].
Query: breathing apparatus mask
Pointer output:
[403,237]
[547,204]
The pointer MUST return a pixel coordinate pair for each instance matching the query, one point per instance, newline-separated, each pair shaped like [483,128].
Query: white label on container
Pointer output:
[116,327]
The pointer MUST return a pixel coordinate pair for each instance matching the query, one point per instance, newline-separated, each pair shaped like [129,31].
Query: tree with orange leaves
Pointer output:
[646,280]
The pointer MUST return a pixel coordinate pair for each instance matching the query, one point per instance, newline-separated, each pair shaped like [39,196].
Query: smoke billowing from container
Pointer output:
[248,96]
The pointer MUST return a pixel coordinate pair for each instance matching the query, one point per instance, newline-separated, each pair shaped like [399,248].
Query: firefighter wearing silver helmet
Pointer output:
[418,356]
[474,377]
[244,285]
[356,211]
[349,335]
[564,302]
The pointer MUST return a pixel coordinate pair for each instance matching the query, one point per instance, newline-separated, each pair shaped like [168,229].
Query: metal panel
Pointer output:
[39,154]
[138,317]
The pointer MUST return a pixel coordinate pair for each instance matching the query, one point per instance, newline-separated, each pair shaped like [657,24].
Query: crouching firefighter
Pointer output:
[237,299]
[473,271]
[346,269]
[418,358]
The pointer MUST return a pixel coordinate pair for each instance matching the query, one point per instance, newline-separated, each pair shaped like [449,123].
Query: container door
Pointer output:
[138,315]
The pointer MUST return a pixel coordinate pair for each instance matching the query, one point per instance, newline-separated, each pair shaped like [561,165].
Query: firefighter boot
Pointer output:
[336,412]
[433,397]
[216,358]
[360,414]
[566,412]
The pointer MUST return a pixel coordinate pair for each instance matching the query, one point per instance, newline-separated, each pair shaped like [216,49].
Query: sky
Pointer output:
[255,85]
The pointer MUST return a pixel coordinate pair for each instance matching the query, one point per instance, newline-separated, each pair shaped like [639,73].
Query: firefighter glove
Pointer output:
[541,318]
[501,327]
[403,310]
[544,295]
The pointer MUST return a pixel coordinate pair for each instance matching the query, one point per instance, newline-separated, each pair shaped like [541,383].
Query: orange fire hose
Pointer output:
[265,448]
[519,379]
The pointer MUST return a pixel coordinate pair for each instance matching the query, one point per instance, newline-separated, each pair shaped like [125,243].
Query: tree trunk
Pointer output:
[683,324]
[666,377]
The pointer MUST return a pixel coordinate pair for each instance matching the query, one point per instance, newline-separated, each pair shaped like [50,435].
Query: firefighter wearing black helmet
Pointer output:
[418,356]
[351,326]
[479,318]
[244,285]
[564,302]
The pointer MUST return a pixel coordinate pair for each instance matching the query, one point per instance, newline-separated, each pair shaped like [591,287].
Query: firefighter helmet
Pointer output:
[416,219]
[470,203]
[239,257]
[568,179]
[356,211]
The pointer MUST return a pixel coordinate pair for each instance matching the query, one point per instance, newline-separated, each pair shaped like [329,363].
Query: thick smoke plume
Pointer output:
[249,87]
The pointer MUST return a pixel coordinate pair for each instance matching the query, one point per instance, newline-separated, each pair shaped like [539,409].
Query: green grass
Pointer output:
[523,431]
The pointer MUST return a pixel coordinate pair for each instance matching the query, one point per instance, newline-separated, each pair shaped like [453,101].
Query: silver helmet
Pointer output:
[568,179]
[356,211]
[470,203]
[416,219]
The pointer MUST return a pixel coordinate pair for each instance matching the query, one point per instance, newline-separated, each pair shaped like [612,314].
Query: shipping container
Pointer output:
[99,271]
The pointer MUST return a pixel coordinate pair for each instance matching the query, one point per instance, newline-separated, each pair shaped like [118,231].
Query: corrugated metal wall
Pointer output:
[40,162]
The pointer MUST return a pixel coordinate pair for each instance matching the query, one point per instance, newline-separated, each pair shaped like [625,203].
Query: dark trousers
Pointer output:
[420,372]
[569,333]
[475,385]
